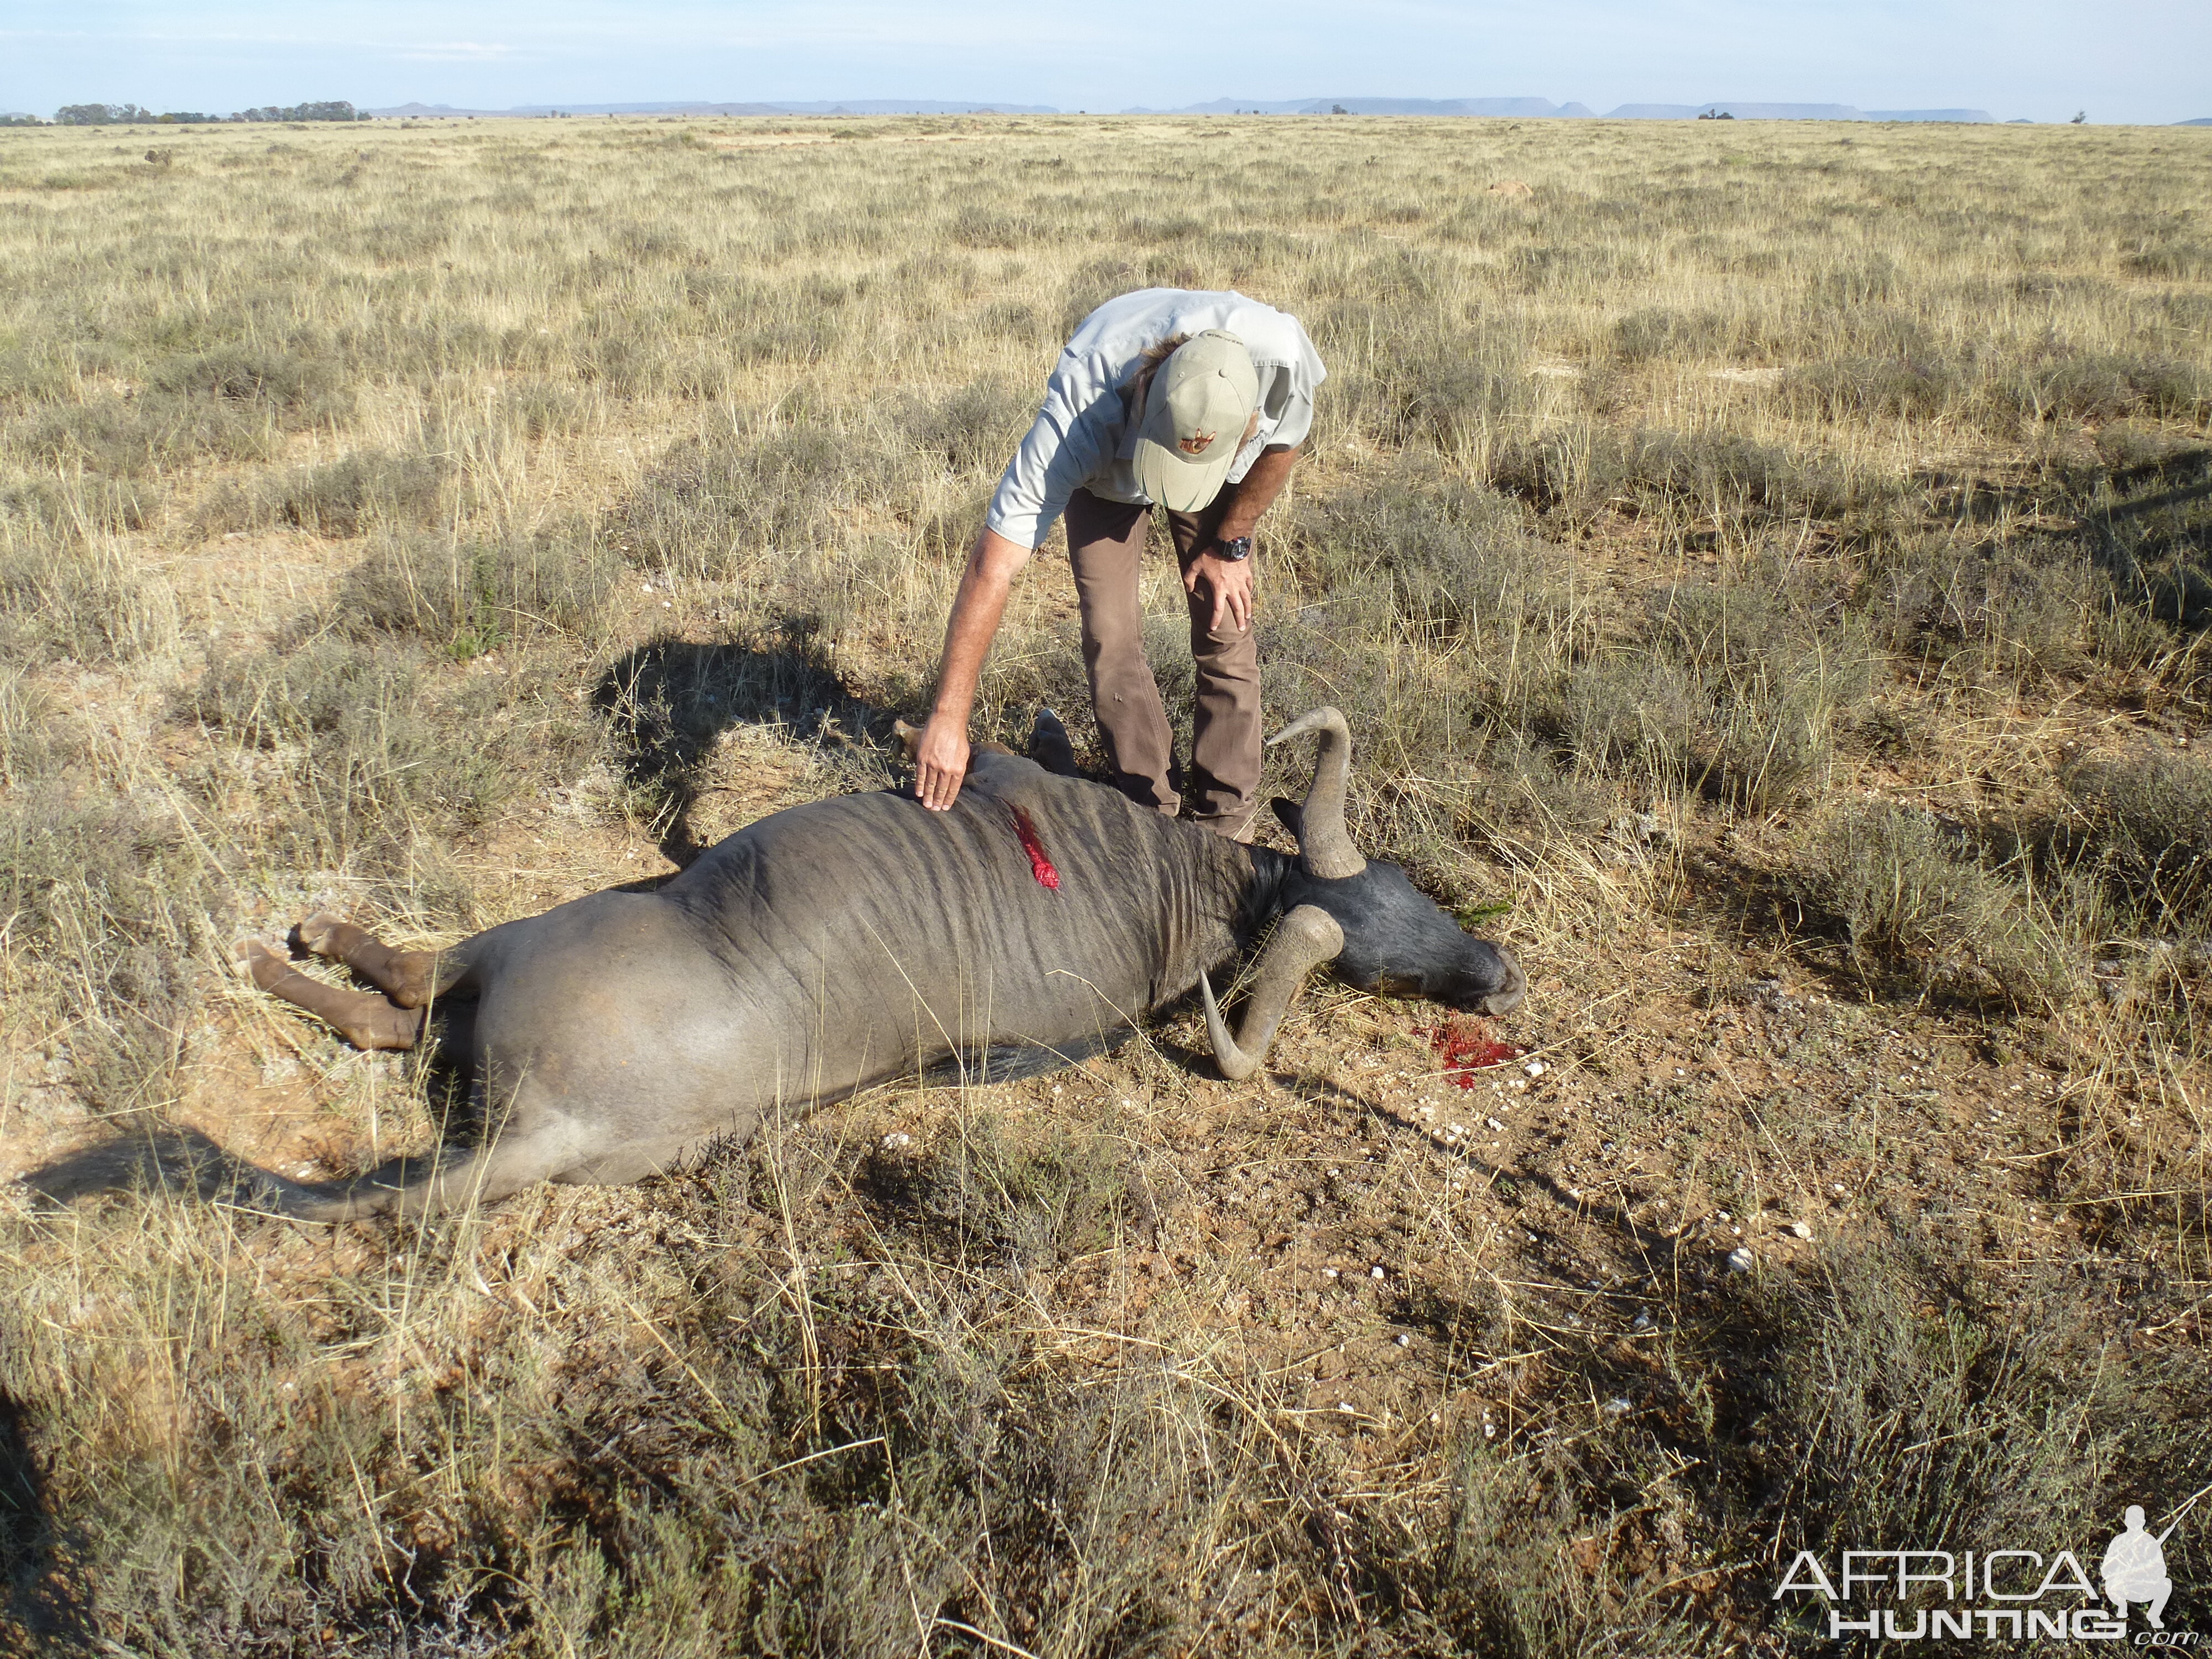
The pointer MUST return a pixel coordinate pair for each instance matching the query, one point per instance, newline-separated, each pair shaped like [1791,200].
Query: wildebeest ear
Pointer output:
[910,739]
[1287,812]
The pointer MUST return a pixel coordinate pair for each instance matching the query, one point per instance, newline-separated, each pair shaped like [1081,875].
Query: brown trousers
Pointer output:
[1106,546]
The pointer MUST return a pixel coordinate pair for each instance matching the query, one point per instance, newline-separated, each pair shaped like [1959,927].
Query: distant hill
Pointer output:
[1543,109]
[1517,108]
[1531,108]
[847,106]
[2196,121]
[1746,112]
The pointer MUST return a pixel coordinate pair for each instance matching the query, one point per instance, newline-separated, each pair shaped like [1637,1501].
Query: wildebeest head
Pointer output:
[1379,931]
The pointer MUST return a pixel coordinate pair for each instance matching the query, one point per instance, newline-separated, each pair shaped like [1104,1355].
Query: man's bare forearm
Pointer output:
[976,612]
[1256,492]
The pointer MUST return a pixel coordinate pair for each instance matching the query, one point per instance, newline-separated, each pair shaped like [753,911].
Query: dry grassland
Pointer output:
[1767,568]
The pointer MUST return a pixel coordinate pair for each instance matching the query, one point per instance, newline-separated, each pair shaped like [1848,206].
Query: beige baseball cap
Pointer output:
[1195,413]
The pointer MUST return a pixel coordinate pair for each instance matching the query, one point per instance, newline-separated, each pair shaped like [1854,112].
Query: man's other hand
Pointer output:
[1228,584]
[940,762]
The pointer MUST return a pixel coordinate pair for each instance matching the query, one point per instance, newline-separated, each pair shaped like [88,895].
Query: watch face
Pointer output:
[1240,548]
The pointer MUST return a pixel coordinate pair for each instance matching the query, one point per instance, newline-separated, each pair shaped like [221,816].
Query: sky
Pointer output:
[2118,60]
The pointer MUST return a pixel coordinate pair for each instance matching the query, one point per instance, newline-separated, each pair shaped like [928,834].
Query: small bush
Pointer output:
[348,497]
[1582,469]
[1646,336]
[2104,386]
[303,389]
[108,899]
[370,758]
[1426,383]
[2148,829]
[1868,387]
[1915,905]
[127,437]
[1457,557]
[976,429]
[716,505]
[467,598]
[88,604]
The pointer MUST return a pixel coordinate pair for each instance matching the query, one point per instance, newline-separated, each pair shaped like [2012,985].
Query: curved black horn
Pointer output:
[1323,843]
[1304,939]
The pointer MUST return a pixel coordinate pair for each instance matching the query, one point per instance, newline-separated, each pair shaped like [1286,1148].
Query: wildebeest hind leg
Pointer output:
[409,978]
[365,1020]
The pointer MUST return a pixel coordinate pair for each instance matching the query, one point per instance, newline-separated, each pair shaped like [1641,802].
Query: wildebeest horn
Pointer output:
[1323,842]
[1305,938]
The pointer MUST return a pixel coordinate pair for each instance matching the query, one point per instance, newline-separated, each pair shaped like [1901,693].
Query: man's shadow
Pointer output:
[668,701]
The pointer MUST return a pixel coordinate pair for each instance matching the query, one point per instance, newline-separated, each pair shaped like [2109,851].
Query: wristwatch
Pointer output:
[1233,550]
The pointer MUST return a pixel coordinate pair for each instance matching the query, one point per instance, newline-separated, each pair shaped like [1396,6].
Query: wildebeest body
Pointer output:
[848,942]
[824,948]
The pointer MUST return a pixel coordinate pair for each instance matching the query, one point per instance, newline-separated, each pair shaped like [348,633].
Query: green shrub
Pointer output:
[110,900]
[349,496]
[88,603]
[1582,469]
[975,429]
[467,597]
[2147,828]
[301,389]
[1915,905]
[1457,558]
[1866,388]
[716,506]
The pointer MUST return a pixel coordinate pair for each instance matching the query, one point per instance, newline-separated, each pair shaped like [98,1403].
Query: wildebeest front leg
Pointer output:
[409,978]
[364,1020]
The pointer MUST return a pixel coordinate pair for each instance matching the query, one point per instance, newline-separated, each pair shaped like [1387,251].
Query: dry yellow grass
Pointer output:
[1769,561]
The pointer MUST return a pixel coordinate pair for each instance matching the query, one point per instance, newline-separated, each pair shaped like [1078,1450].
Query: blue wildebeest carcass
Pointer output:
[839,944]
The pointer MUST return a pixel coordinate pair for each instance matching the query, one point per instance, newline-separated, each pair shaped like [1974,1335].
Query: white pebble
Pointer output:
[1494,1123]
[898,1138]
[1740,1259]
[1404,1341]
[1798,1228]
[1616,1408]
[1328,1273]
[1535,1068]
[1376,1274]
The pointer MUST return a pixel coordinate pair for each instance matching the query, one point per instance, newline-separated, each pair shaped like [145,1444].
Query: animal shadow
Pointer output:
[667,701]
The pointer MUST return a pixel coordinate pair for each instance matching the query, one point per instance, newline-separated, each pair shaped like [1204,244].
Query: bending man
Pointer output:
[1196,402]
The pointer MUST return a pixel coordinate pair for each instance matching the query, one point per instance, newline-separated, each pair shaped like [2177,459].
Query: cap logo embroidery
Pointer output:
[1196,444]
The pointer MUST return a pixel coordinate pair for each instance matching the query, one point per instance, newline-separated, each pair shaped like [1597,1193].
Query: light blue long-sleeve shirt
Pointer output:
[1085,433]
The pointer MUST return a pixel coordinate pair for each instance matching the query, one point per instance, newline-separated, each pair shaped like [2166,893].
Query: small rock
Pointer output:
[1799,1229]
[1616,1409]
[1405,1341]
[897,1138]
[1740,1259]
[1328,1273]
[1535,1068]
[1494,1124]
[1376,1274]
[1643,1321]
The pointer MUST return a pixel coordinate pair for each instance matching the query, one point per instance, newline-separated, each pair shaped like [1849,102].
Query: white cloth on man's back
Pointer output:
[1085,433]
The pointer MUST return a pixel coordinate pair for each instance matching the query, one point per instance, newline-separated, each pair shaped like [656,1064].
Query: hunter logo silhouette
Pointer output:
[1197,444]
[2134,1569]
